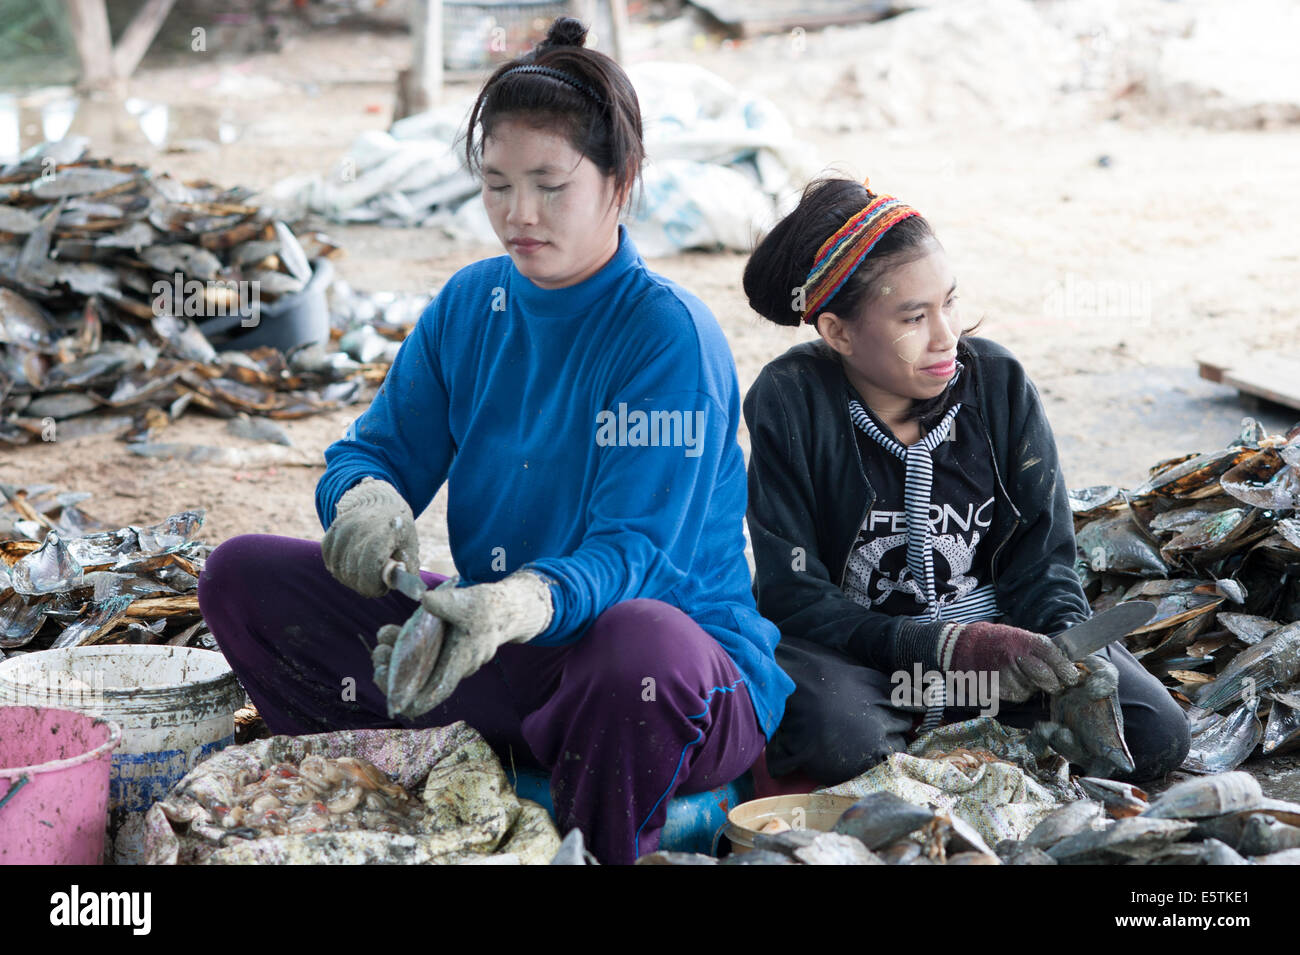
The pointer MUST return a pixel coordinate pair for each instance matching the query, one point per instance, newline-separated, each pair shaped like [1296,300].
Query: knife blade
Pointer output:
[1103,629]
[398,578]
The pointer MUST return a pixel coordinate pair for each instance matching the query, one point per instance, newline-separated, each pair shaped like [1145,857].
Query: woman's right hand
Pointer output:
[1025,662]
[372,523]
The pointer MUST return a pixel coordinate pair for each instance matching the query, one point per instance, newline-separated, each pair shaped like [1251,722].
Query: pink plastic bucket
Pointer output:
[54,767]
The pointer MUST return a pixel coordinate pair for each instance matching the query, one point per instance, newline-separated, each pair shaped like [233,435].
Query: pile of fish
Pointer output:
[316,795]
[1208,820]
[1214,541]
[85,246]
[68,580]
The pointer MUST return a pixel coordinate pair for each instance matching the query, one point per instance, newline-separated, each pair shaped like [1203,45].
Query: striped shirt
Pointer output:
[920,552]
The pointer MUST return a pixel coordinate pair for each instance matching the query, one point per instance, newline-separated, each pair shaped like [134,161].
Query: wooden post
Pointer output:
[139,33]
[618,27]
[88,20]
[423,83]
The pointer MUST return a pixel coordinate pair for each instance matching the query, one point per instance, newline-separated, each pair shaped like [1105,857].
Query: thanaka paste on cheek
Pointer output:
[909,346]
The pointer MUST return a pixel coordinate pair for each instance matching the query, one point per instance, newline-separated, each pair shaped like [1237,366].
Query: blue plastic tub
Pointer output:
[694,822]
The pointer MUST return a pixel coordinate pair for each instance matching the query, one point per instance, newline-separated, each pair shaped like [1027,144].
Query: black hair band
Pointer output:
[555,74]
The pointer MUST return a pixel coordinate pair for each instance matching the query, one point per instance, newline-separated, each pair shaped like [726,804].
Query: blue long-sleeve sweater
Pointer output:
[587,433]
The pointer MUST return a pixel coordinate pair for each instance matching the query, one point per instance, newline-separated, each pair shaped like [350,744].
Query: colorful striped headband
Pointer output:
[555,74]
[843,252]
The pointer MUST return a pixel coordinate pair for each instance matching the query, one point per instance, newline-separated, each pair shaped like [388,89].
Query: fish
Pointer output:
[1116,545]
[1261,835]
[900,853]
[1192,477]
[22,322]
[1221,743]
[90,628]
[415,654]
[1207,796]
[1211,536]
[756,857]
[275,283]
[191,260]
[1208,852]
[20,620]
[1289,530]
[1120,799]
[1282,731]
[1286,857]
[1072,818]
[1132,838]
[832,848]
[1247,628]
[881,818]
[135,236]
[1012,852]
[59,405]
[78,181]
[291,253]
[676,858]
[17,221]
[1265,480]
[50,568]
[1094,725]
[1274,661]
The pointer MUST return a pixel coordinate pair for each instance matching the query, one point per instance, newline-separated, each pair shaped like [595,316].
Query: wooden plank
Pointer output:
[139,33]
[1274,378]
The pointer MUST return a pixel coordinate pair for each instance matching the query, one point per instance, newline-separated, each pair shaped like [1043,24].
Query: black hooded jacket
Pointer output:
[809,494]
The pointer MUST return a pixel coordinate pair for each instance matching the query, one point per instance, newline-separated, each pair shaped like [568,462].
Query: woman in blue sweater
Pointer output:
[583,412]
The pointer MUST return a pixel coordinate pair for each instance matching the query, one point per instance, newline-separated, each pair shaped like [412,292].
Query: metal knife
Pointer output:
[397,577]
[1103,629]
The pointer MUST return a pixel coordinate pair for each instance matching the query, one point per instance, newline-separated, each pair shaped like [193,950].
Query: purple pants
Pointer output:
[645,706]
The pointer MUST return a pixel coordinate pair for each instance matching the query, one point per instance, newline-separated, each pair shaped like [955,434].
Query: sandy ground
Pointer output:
[1107,280]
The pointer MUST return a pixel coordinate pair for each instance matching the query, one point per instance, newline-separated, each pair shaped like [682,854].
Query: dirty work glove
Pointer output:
[1025,662]
[372,523]
[481,619]
[1087,725]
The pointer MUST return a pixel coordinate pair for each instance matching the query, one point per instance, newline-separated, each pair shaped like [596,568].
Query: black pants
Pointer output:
[839,721]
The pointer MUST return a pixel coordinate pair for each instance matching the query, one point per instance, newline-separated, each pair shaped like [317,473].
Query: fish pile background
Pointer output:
[69,580]
[82,244]
[1214,541]
[1208,820]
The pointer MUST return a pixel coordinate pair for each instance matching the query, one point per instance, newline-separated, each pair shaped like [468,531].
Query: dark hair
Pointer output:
[599,113]
[779,265]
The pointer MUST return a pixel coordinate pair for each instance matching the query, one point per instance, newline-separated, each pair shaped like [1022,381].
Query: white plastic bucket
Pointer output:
[176,706]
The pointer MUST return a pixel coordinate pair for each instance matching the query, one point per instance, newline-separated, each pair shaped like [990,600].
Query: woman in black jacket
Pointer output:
[906,508]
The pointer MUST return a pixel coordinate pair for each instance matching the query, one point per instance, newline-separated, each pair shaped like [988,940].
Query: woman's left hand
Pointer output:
[481,619]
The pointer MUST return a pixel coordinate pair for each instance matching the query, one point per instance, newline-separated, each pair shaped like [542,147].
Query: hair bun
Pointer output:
[565,31]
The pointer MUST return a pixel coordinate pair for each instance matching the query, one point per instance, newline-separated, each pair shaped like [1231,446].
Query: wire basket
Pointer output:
[481,35]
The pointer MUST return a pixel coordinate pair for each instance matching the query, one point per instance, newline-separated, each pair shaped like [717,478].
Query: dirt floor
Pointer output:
[1106,276]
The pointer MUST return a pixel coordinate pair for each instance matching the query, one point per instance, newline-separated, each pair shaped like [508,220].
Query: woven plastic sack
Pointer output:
[475,815]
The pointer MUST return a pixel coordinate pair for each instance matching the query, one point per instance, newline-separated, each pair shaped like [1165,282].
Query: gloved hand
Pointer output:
[1087,725]
[481,619]
[1025,662]
[372,523]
